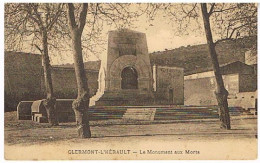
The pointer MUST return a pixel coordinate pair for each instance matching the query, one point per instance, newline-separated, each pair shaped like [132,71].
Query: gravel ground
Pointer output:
[27,140]
[28,132]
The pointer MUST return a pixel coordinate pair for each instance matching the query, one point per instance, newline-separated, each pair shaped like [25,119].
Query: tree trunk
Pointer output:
[81,104]
[221,92]
[49,102]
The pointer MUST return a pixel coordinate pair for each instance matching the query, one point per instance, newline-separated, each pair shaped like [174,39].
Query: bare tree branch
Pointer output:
[38,48]
[54,20]
[211,9]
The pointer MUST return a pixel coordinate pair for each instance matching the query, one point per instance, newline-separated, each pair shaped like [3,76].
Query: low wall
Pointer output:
[24,80]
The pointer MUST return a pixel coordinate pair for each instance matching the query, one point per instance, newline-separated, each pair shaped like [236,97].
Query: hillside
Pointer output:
[196,58]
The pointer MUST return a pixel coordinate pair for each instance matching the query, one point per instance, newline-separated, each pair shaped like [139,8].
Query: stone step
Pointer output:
[137,112]
[140,113]
[176,112]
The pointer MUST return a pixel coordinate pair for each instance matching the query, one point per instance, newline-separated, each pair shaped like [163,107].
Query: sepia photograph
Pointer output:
[130,81]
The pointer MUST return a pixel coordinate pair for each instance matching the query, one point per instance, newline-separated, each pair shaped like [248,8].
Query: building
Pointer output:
[239,78]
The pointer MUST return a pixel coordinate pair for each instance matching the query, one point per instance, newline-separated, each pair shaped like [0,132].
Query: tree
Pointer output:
[228,22]
[221,92]
[232,21]
[34,22]
[81,104]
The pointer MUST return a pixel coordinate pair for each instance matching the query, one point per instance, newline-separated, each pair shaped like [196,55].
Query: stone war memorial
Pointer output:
[130,81]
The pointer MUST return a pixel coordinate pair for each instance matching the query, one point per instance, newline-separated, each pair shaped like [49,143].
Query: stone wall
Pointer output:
[65,85]
[24,79]
[201,91]
[22,73]
[169,85]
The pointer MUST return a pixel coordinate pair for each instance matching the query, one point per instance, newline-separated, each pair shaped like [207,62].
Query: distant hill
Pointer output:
[196,58]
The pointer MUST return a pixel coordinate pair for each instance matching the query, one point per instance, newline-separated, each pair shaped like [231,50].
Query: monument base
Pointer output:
[126,98]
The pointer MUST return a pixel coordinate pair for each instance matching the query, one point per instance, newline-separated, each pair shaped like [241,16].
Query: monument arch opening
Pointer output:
[129,78]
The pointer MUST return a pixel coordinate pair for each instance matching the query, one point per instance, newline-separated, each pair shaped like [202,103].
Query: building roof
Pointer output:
[225,69]
[236,67]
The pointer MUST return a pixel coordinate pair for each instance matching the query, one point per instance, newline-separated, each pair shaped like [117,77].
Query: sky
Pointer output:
[160,34]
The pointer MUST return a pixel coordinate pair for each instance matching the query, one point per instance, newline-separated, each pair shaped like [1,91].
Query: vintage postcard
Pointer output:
[130,81]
